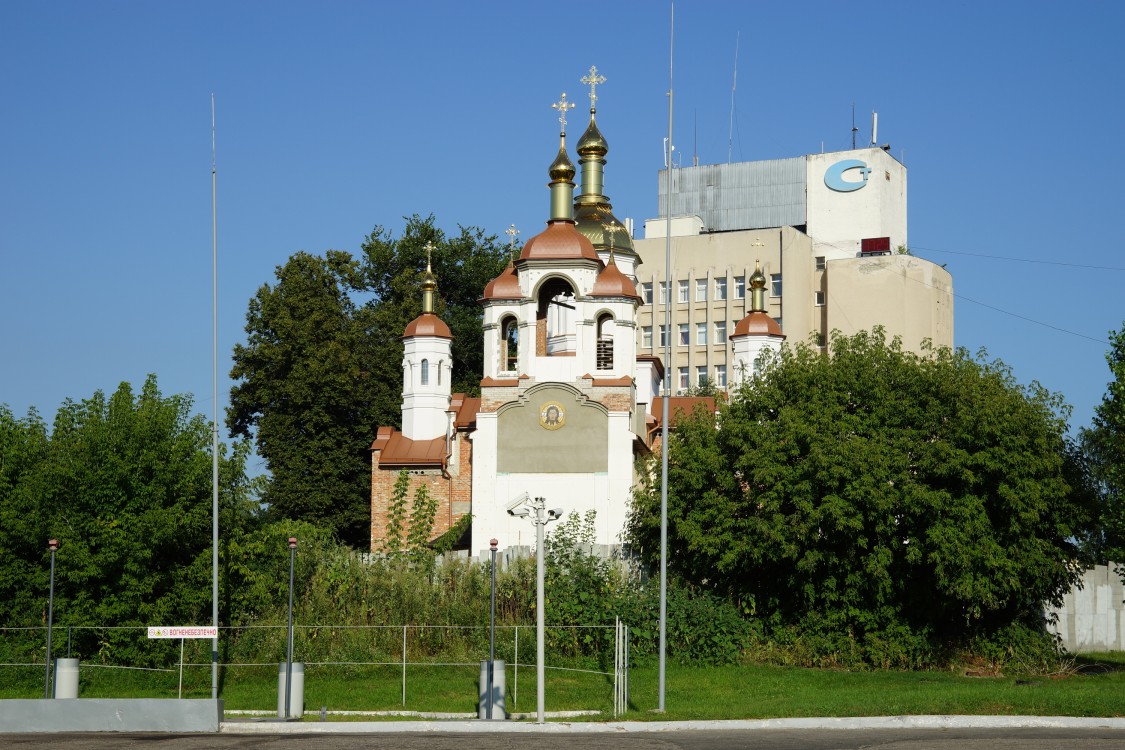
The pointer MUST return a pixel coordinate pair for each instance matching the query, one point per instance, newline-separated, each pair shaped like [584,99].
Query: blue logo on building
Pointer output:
[834,177]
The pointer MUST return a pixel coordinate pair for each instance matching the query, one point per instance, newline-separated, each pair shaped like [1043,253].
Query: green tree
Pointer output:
[124,484]
[1104,446]
[321,369]
[894,503]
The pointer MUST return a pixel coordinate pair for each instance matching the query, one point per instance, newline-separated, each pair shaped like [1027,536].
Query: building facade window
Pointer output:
[662,289]
[775,285]
[820,263]
[779,323]
[683,378]
[663,336]
[720,289]
[684,337]
[818,299]
[682,291]
[820,339]
[701,378]
[740,287]
[721,376]
[701,334]
[646,337]
[646,292]
[425,372]
[509,344]
[701,290]
[721,332]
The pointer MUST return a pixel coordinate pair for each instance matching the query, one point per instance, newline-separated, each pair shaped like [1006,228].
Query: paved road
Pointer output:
[770,739]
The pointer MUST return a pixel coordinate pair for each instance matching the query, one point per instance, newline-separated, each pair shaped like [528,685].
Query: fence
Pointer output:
[592,650]
[1092,615]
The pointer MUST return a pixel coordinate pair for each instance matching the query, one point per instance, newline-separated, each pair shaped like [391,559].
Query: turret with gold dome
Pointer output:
[427,363]
[593,212]
[755,333]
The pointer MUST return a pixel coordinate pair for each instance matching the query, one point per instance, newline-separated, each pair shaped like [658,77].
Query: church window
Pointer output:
[605,342]
[509,344]
[425,370]
[555,322]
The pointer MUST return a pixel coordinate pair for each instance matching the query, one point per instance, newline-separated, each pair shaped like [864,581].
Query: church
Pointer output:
[567,406]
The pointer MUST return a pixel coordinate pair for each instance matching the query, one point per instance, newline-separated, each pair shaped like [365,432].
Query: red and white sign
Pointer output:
[184,631]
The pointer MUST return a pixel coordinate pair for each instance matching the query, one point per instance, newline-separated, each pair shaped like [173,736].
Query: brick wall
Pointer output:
[452,490]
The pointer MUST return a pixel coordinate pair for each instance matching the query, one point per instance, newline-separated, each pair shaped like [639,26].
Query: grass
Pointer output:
[1094,686]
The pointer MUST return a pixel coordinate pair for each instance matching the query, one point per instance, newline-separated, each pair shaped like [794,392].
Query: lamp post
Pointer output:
[53,545]
[289,654]
[492,544]
[541,518]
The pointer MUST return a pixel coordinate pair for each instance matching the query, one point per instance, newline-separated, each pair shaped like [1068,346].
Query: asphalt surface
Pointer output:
[687,739]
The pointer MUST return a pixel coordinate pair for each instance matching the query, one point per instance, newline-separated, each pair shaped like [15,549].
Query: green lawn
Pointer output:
[1094,687]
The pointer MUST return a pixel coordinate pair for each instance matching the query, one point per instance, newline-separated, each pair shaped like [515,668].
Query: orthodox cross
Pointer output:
[593,79]
[611,229]
[429,250]
[512,232]
[562,105]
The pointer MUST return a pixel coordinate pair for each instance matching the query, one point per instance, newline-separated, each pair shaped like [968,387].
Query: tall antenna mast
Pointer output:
[215,422]
[667,381]
[854,128]
[733,86]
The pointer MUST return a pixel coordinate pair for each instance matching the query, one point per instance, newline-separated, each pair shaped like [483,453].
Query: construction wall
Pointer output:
[1092,618]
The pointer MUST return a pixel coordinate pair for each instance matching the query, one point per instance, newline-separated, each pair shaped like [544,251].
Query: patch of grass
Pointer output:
[736,692]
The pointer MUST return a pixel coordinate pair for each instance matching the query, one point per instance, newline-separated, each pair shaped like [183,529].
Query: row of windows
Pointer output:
[718,289]
[684,334]
[716,377]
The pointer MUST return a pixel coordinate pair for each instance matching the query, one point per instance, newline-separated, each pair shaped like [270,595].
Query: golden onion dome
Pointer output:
[561,169]
[591,218]
[757,279]
[592,143]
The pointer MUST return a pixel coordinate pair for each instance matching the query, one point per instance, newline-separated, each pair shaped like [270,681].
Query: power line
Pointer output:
[1020,260]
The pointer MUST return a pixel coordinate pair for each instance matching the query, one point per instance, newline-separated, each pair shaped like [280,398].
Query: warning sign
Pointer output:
[184,631]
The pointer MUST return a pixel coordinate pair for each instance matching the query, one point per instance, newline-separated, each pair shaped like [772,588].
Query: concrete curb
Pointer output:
[489,727]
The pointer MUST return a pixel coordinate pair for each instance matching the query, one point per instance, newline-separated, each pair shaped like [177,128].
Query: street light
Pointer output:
[53,545]
[289,655]
[492,544]
[541,518]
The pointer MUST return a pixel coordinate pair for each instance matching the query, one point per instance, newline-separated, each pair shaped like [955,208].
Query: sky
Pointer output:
[332,119]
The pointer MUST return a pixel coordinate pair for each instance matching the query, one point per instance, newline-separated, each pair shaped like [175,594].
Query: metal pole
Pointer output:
[53,545]
[540,624]
[667,384]
[289,654]
[492,544]
[215,423]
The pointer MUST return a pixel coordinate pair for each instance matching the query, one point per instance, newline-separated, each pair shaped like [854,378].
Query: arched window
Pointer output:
[425,372]
[509,344]
[605,342]
[555,324]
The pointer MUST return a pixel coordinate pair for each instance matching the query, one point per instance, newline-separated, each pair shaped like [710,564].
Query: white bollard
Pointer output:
[296,697]
[66,678]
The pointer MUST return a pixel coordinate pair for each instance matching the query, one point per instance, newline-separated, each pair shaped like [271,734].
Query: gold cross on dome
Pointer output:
[562,105]
[593,80]
[512,232]
[429,252]
[611,229]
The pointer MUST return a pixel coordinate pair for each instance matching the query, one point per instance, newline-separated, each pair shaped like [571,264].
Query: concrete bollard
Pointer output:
[66,678]
[296,697]
[498,689]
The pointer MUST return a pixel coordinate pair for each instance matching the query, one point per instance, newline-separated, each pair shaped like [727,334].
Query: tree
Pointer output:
[892,503]
[124,484]
[1104,446]
[321,369]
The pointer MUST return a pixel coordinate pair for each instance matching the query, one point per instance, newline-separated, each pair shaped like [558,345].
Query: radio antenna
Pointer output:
[733,87]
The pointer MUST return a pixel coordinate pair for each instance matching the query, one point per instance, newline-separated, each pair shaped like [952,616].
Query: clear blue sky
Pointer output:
[337,117]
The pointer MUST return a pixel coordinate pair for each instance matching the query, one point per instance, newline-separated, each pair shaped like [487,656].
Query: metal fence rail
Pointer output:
[399,646]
